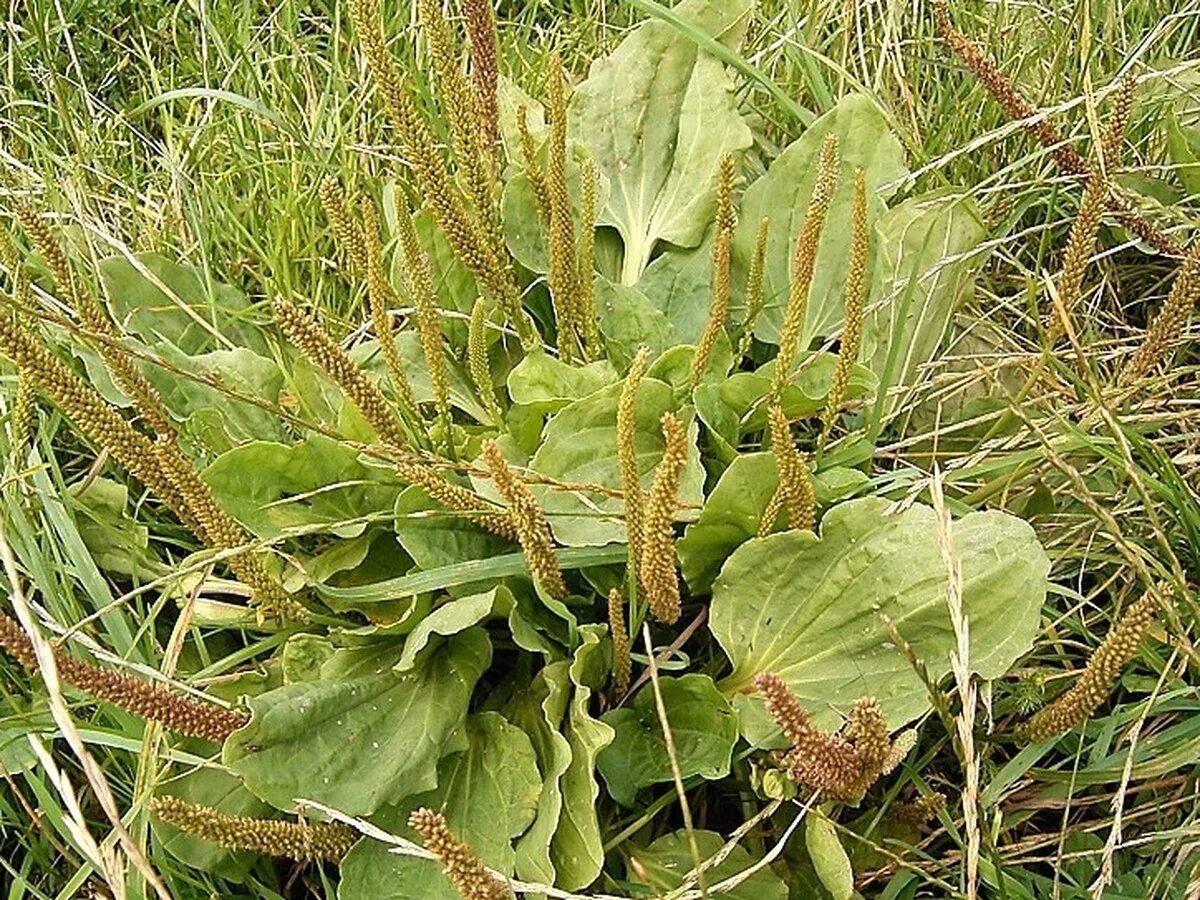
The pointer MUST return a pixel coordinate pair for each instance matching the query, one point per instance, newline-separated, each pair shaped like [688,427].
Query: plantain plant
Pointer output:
[583,519]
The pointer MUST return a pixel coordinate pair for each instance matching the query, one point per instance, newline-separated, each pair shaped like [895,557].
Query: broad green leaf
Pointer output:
[657,115]
[303,656]
[364,735]
[540,712]
[216,420]
[703,725]
[579,445]
[547,384]
[782,196]
[157,299]
[17,723]
[924,266]
[488,794]
[664,865]
[679,284]
[115,539]
[828,856]
[733,512]
[434,536]
[809,609]
[271,487]
[510,98]
[454,617]
[629,320]
[577,849]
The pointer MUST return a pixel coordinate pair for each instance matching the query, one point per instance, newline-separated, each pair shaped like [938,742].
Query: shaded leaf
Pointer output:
[488,794]
[703,725]
[665,863]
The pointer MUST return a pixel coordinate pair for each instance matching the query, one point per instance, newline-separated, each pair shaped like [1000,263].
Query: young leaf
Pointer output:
[923,269]
[828,856]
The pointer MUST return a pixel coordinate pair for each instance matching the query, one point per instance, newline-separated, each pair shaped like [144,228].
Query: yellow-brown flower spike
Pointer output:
[659,578]
[795,481]
[754,286]
[458,499]
[1170,321]
[429,317]
[480,21]
[533,168]
[22,417]
[529,520]
[1094,684]
[589,324]
[627,457]
[919,810]
[99,421]
[622,663]
[1020,110]
[125,373]
[379,297]
[301,841]
[177,712]
[1118,120]
[311,339]
[221,531]
[841,766]
[477,362]
[783,706]
[726,221]
[480,248]
[561,236]
[1081,243]
[460,863]
[347,231]
[855,304]
[474,163]
[804,261]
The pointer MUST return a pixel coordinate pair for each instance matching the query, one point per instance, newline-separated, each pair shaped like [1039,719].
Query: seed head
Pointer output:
[1170,321]
[659,577]
[856,299]
[1094,684]
[461,864]
[533,530]
[726,221]
[309,336]
[622,664]
[627,457]
[804,262]
[179,713]
[795,481]
[301,841]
